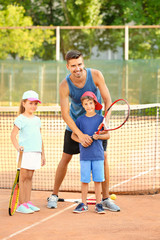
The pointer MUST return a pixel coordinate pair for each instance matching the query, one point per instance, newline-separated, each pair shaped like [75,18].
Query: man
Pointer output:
[79,80]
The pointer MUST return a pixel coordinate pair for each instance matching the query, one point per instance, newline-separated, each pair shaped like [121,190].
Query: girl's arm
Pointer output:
[43,159]
[14,140]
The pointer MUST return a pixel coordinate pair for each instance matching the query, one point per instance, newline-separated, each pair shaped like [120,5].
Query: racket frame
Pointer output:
[102,124]
[12,209]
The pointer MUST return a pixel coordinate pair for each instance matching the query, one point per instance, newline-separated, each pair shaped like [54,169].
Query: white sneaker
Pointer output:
[52,201]
[110,205]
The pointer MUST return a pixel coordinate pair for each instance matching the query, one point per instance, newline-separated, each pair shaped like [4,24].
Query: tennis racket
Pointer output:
[115,116]
[15,189]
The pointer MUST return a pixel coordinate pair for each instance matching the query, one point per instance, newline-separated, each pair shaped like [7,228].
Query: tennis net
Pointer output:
[133,152]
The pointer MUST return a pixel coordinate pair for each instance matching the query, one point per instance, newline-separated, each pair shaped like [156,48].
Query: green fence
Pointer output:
[138,81]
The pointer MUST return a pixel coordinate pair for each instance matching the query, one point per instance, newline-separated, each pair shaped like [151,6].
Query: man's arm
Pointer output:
[100,83]
[84,139]
[74,137]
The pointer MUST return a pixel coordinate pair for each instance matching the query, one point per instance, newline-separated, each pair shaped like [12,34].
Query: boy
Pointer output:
[91,157]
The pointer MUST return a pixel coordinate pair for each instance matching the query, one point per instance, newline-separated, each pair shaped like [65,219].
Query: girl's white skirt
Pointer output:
[31,160]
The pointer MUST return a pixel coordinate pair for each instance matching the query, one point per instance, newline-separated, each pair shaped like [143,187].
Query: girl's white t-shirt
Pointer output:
[29,134]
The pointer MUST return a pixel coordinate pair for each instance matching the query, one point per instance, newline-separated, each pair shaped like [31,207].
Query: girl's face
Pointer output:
[30,106]
[89,106]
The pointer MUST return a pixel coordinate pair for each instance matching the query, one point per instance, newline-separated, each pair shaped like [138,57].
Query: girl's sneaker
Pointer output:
[33,207]
[23,208]
[81,208]
[99,208]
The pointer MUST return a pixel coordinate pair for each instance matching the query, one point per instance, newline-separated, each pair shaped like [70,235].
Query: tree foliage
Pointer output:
[22,43]
[144,43]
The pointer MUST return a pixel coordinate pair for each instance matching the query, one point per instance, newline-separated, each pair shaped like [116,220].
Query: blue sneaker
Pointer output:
[23,208]
[81,208]
[99,208]
[33,207]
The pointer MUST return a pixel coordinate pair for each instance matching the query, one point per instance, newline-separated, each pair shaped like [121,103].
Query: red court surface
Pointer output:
[139,219]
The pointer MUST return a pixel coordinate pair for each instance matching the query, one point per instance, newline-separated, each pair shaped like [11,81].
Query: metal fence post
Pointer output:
[126,42]
[57,43]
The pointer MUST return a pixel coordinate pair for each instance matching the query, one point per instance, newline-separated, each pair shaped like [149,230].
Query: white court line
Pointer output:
[134,177]
[37,223]
[41,221]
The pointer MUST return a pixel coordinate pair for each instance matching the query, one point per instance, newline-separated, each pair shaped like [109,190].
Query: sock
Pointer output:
[104,199]
[54,195]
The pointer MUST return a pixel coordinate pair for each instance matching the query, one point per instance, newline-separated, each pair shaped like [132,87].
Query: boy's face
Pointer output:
[76,67]
[89,106]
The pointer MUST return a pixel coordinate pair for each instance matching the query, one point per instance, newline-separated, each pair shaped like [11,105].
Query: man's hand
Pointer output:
[85,140]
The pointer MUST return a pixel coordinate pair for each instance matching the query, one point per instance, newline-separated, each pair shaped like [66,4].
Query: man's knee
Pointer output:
[66,158]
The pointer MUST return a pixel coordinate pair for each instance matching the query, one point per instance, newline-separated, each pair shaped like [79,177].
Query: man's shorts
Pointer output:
[97,169]
[72,147]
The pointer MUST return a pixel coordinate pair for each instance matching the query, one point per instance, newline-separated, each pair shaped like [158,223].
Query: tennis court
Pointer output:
[134,161]
[138,219]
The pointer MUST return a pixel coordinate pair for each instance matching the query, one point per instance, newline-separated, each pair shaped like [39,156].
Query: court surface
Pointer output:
[139,219]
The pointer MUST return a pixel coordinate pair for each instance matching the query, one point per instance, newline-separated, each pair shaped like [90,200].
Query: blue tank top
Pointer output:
[75,94]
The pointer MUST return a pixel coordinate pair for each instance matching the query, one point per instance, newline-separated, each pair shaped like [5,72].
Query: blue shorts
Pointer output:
[97,169]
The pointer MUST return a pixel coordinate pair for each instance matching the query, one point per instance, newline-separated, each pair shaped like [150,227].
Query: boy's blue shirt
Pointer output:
[89,125]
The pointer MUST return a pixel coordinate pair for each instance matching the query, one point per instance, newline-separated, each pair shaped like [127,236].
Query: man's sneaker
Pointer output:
[110,205]
[81,208]
[23,208]
[52,201]
[33,207]
[99,208]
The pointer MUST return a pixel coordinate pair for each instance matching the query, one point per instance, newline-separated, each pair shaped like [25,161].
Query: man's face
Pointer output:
[76,67]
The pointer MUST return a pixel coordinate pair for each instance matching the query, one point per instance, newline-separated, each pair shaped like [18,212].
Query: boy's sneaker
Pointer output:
[23,208]
[52,201]
[99,208]
[81,208]
[33,207]
[110,205]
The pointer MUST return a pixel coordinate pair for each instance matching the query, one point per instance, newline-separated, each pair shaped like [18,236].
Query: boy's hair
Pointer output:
[72,54]
[21,108]
[87,97]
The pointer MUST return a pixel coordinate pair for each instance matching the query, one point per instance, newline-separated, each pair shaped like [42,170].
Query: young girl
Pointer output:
[91,157]
[30,141]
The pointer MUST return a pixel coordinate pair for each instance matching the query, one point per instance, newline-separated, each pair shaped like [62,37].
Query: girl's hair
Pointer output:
[87,97]
[21,108]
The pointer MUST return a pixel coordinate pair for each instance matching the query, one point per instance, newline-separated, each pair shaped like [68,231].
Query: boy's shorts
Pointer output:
[97,169]
[72,147]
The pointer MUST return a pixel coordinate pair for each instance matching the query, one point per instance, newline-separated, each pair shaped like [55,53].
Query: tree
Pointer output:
[144,43]
[22,43]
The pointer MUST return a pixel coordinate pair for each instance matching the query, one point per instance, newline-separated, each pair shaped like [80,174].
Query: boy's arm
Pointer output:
[14,140]
[104,136]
